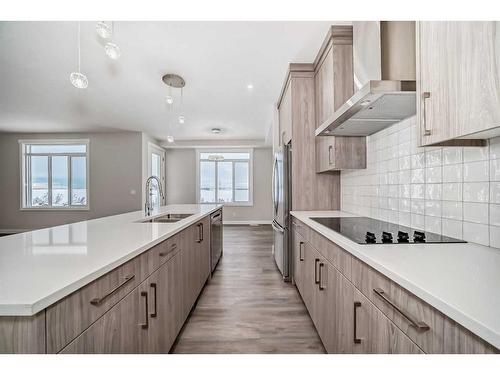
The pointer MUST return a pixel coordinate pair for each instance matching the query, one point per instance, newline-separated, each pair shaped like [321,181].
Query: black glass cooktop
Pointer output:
[365,230]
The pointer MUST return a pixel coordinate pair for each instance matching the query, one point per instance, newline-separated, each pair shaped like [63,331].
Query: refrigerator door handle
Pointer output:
[275,188]
[277,228]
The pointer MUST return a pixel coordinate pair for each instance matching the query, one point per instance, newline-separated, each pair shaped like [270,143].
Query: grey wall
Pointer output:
[181,184]
[115,180]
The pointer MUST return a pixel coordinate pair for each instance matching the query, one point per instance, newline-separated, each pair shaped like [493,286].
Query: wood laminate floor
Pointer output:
[246,307]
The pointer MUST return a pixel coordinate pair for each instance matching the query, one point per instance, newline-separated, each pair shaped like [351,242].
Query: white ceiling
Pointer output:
[217,60]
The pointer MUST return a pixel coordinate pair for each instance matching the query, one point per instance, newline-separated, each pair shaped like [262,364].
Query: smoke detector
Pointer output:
[216,130]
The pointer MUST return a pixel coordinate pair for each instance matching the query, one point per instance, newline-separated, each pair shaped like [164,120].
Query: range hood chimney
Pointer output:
[384,80]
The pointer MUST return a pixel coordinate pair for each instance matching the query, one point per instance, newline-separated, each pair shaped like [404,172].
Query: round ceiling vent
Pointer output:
[174,80]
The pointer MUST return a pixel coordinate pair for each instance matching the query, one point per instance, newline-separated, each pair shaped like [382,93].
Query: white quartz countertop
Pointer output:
[460,280]
[40,267]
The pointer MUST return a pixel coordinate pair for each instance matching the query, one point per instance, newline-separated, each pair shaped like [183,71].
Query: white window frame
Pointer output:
[22,165]
[250,177]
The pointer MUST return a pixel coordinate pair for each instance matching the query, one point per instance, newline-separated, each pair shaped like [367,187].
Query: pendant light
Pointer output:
[106,32]
[78,79]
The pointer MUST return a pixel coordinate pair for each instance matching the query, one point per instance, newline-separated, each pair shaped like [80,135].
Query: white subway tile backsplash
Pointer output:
[433,175]
[452,210]
[476,171]
[495,236]
[495,148]
[433,224]
[478,233]
[433,158]
[417,206]
[452,155]
[452,228]
[495,214]
[494,192]
[433,191]
[475,192]
[450,190]
[433,208]
[418,176]
[417,191]
[418,161]
[452,173]
[495,170]
[476,212]
[475,153]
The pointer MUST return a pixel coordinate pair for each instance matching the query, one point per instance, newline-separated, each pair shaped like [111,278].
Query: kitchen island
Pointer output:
[103,285]
[434,298]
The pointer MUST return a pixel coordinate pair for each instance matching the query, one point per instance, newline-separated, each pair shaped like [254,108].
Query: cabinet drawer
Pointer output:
[389,297]
[69,317]
[300,228]
[332,252]
[162,252]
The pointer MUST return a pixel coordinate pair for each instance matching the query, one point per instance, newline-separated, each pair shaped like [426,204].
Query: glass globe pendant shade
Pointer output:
[170,100]
[79,80]
[103,30]
[112,50]
[182,119]
[170,139]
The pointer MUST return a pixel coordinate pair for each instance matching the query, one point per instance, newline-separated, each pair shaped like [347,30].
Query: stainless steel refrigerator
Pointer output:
[281,209]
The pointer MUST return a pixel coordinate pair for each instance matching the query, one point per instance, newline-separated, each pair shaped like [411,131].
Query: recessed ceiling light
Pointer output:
[216,130]
[249,86]
[182,119]
[170,139]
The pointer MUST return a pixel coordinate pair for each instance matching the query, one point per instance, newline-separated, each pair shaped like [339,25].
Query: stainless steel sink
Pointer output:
[168,218]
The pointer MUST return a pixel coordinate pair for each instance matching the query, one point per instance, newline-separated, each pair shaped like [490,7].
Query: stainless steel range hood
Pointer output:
[384,76]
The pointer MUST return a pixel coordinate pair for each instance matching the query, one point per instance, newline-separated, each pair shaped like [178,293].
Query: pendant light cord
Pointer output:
[79,47]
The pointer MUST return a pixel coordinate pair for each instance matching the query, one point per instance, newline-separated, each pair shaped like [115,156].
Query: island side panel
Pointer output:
[22,334]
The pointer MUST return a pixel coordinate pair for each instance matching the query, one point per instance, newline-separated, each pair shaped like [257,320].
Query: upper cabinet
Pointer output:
[285,116]
[458,82]
[333,75]
[333,86]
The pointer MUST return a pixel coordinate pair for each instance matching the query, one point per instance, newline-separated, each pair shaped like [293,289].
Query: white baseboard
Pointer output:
[248,222]
[3,231]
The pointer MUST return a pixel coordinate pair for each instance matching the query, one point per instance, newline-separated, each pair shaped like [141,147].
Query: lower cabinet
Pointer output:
[149,318]
[362,311]
[346,321]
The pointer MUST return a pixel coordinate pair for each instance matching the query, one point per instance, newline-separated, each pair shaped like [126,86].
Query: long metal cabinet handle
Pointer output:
[420,326]
[153,314]
[356,305]
[172,248]
[321,265]
[199,233]
[202,232]
[145,325]
[98,300]
[330,149]
[301,247]
[425,95]
[316,280]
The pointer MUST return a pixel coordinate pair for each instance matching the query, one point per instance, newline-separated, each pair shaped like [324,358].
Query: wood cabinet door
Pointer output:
[298,260]
[188,259]
[285,116]
[170,305]
[458,77]
[323,81]
[204,253]
[117,331]
[308,282]
[325,153]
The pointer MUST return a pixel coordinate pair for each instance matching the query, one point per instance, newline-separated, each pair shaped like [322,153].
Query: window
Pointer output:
[156,168]
[225,177]
[54,174]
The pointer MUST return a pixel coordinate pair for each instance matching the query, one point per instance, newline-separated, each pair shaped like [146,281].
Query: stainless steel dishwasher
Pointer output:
[215,238]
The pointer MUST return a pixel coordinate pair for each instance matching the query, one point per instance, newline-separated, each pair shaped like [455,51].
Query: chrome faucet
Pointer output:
[149,193]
